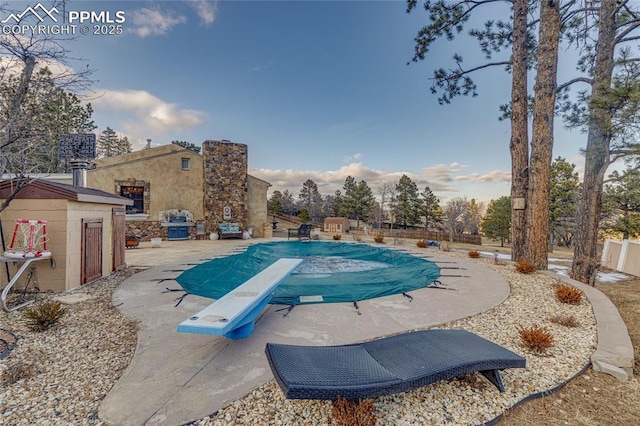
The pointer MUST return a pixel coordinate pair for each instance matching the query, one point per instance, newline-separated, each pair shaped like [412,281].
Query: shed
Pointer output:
[85,229]
[336,225]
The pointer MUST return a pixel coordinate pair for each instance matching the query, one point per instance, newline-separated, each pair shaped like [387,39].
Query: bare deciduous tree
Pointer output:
[21,54]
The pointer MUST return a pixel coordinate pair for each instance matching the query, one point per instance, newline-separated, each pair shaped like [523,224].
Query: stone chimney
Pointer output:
[225,170]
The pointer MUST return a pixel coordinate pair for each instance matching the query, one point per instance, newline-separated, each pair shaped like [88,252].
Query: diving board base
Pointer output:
[234,314]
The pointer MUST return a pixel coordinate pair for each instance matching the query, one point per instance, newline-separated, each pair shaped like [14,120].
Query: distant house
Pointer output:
[85,229]
[336,225]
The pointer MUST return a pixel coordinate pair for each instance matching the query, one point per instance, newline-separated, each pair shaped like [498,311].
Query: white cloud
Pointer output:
[329,181]
[205,9]
[145,115]
[355,157]
[492,176]
[445,180]
[152,22]
[61,72]
[443,172]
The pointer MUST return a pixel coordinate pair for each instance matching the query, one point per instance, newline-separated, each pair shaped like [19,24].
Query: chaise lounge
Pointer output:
[385,366]
[303,231]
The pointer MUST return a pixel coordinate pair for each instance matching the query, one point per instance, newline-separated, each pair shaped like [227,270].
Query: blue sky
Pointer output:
[317,90]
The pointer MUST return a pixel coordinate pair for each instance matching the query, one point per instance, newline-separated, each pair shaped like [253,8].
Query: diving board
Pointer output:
[233,315]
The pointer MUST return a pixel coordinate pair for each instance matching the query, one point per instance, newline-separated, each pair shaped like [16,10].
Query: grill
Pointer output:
[178,229]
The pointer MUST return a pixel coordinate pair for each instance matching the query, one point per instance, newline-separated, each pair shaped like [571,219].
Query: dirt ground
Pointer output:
[593,398]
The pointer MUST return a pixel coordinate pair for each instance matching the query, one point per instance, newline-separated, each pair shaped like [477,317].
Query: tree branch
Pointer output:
[586,80]
[465,72]
[620,37]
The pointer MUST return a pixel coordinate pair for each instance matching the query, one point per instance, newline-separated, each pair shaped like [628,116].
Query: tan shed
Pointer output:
[336,225]
[85,229]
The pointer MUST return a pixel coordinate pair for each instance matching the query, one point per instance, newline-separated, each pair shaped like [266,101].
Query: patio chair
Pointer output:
[303,231]
[200,231]
[385,366]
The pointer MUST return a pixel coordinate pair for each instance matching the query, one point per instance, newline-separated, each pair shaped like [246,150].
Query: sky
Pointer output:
[317,90]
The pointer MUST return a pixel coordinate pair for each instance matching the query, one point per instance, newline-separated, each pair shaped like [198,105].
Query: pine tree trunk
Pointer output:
[585,258]
[542,134]
[519,145]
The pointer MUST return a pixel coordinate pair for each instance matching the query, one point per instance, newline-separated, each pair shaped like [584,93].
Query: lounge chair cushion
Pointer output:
[385,366]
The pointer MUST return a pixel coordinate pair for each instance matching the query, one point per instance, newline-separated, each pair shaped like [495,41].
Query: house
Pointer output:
[336,225]
[85,230]
[173,189]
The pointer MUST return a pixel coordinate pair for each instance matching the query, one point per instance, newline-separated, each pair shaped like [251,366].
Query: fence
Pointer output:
[414,233]
[427,235]
[623,256]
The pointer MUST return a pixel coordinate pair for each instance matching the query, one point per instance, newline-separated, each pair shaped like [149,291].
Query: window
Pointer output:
[136,193]
[185,164]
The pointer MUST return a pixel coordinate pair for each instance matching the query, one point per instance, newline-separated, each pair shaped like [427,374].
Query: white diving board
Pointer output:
[234,314]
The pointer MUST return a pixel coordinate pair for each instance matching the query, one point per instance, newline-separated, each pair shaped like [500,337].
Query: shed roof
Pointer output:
[47,190]
[336,220]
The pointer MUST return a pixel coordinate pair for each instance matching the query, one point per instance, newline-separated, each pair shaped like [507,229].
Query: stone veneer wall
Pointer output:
[147,229]
[225,180]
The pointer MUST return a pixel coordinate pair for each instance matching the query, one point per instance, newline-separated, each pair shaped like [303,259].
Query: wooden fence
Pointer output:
[425,235]
[414,233]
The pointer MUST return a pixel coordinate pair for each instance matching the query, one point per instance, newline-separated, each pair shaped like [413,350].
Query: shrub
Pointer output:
[347,412]
[356,238]
[445,246]
[525,267]
[474,254]
[17,370]
[378,238]
[337,236]
[536,339]
[565,320]
[44,315]
[421,244]
[568,294]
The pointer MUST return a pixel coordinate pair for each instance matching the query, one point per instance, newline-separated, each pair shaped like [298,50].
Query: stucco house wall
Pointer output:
[257,207]
[169,186]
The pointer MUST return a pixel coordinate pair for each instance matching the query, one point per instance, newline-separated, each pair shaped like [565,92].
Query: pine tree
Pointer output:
[109,144]
[496,224]
[431,209]
[622,203]
[188,145]
[562,201]
[407,204]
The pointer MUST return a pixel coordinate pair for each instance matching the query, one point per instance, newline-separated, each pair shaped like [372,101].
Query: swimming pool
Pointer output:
[330,272]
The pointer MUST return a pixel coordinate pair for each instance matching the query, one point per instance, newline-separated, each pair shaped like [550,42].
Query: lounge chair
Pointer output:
[303,231]
[385,366]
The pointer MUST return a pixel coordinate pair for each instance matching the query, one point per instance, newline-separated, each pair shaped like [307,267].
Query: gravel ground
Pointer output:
[61,375]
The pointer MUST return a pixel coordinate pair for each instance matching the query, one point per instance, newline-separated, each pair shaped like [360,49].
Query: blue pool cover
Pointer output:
[331,272]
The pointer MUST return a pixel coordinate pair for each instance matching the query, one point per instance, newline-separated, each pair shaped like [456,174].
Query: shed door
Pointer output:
[91,250]
[118,219]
